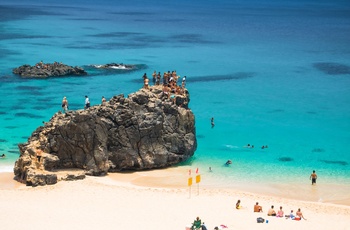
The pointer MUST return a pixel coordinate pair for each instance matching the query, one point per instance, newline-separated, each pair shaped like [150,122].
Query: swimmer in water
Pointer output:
[228,162]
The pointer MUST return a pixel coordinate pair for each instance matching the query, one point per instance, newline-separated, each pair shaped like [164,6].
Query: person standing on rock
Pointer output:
[38,154]
[87,102]
[65,104]
[103,100]
[154,75]
[146,83]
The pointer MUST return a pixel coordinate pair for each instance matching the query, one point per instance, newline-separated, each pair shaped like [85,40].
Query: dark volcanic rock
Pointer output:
[42,70]
[140,132]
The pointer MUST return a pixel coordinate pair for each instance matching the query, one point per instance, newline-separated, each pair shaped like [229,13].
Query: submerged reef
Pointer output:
[332,68]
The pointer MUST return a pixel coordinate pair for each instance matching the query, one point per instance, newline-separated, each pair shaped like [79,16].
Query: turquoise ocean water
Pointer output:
[273,73]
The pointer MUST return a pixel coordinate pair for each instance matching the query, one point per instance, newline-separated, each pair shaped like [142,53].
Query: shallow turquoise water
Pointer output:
[250,66]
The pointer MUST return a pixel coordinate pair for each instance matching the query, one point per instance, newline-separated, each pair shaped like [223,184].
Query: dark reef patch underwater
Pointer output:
[332,68]
[343,163]
[285,159]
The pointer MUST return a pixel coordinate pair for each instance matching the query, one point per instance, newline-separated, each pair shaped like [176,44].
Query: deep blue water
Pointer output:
[273,73]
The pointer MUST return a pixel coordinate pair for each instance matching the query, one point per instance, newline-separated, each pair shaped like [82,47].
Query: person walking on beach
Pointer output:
[313,177]
[64,104]
[87,102]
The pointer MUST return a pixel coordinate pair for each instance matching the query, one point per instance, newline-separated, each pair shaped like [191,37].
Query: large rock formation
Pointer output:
[44,70]
[143,131]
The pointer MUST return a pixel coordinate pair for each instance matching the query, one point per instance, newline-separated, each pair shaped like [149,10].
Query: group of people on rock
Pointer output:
[168,78]
[271,212]
[171,88]
[42,65]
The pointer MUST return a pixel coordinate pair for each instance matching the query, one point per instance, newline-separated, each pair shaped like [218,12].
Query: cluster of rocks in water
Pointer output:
[44,70]
[142,131]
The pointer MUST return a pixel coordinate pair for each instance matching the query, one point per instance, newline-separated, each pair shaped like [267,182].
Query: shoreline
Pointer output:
[136,200]
[177,178]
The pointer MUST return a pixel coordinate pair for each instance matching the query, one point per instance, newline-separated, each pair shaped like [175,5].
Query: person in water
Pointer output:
[3,156]
[228,162]
[313,177]
[212,122]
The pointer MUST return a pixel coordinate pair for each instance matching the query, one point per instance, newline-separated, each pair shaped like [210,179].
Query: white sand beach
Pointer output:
[150,200]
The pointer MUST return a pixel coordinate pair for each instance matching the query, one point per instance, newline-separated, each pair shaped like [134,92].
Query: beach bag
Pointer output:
[260,220]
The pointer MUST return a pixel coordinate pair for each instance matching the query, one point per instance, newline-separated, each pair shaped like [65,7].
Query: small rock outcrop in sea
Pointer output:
[44,70]
[143,131]
[115,66]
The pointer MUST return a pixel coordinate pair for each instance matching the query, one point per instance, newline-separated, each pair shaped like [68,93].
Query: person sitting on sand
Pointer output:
[204,227]
[271,211]
[280,212]
[291,215]
[197,224]
[238,204]
[299,214]
[257,207]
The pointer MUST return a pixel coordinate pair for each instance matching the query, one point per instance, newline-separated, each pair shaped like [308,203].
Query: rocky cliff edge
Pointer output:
[143,131]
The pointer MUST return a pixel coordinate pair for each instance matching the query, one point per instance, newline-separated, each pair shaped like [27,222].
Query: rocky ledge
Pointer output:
[44,70]
[143,131]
